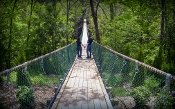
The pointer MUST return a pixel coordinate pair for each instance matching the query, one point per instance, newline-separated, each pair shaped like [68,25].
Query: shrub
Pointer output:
[25,96]
[23,79]
[1,81]
[138,78]
[13,77]
[119,91]
[141,96]
[44,79]
[164,100]
[152,84]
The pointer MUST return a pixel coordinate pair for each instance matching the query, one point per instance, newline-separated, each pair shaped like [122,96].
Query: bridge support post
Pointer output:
[8,76]
[168,81]
[49,101]
[55,90]
[42,65]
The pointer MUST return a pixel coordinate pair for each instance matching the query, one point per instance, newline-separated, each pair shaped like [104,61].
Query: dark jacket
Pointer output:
[90,40]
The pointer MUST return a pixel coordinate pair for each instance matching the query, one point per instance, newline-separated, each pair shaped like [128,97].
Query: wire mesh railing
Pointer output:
[36,83]
[133,84]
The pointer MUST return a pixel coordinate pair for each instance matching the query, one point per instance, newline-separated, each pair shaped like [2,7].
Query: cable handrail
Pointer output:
[34,60]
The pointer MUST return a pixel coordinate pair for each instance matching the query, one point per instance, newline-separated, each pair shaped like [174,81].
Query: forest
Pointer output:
[141,29]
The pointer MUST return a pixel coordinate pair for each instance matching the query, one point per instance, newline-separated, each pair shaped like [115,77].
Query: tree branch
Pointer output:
[103,11]
[98,3]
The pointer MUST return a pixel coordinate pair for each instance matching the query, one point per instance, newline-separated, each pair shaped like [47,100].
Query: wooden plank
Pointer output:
[66,95]
[55,104]
[79,97]
[84,88]
[101,96]
[90,96]
[75,90]
[72,84]
[96,95]
[64,101]
[94,92]
[90,90]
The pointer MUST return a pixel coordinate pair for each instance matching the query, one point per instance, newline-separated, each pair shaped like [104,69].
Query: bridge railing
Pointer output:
[35,83]
[130,83]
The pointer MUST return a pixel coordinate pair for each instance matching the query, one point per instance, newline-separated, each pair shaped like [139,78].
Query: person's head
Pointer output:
[78,39]
[89,34]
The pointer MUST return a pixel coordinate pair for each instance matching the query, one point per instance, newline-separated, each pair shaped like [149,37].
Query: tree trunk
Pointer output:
[173,42]
[82,2]
[171,35]
[112,11]
[162,29]
[54,25]
[158,59]
[68,8]
[10,36]
[95,19]
[29,23]
[28,33]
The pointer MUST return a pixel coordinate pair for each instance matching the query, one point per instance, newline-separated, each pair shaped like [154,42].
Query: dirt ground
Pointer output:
[43,93]
[8,96]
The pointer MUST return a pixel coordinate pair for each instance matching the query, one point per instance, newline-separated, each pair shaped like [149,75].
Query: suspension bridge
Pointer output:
[102,82]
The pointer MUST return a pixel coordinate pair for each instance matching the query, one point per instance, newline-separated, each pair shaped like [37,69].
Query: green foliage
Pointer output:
[23,79]
[141,95]
[13,77]
[168,67]
[39,79]
[112,80]
[152,84]
[138,78]
[119,91]
[124,33]
[25,96]
[164,100]
[44,79]
[125,72]
[133,31]
[35,31]
[149,88]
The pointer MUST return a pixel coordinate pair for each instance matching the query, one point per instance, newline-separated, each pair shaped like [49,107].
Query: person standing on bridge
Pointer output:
[79,48]
[89,47]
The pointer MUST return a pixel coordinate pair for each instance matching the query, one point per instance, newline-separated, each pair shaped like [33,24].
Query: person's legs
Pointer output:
[77,51]
[90,51]
[80,51]
[87,50]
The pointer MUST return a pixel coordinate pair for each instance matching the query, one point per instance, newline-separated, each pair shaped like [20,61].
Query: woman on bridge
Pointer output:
[89,46]
[79,48]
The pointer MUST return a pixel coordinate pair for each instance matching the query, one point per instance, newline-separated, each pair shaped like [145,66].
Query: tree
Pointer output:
[10,34]
[28,28]
[158,59]
[95,18]
[170,36]
[68,8]
[112,10]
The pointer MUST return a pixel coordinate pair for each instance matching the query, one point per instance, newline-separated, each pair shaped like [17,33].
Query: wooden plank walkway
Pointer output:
[83,88]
